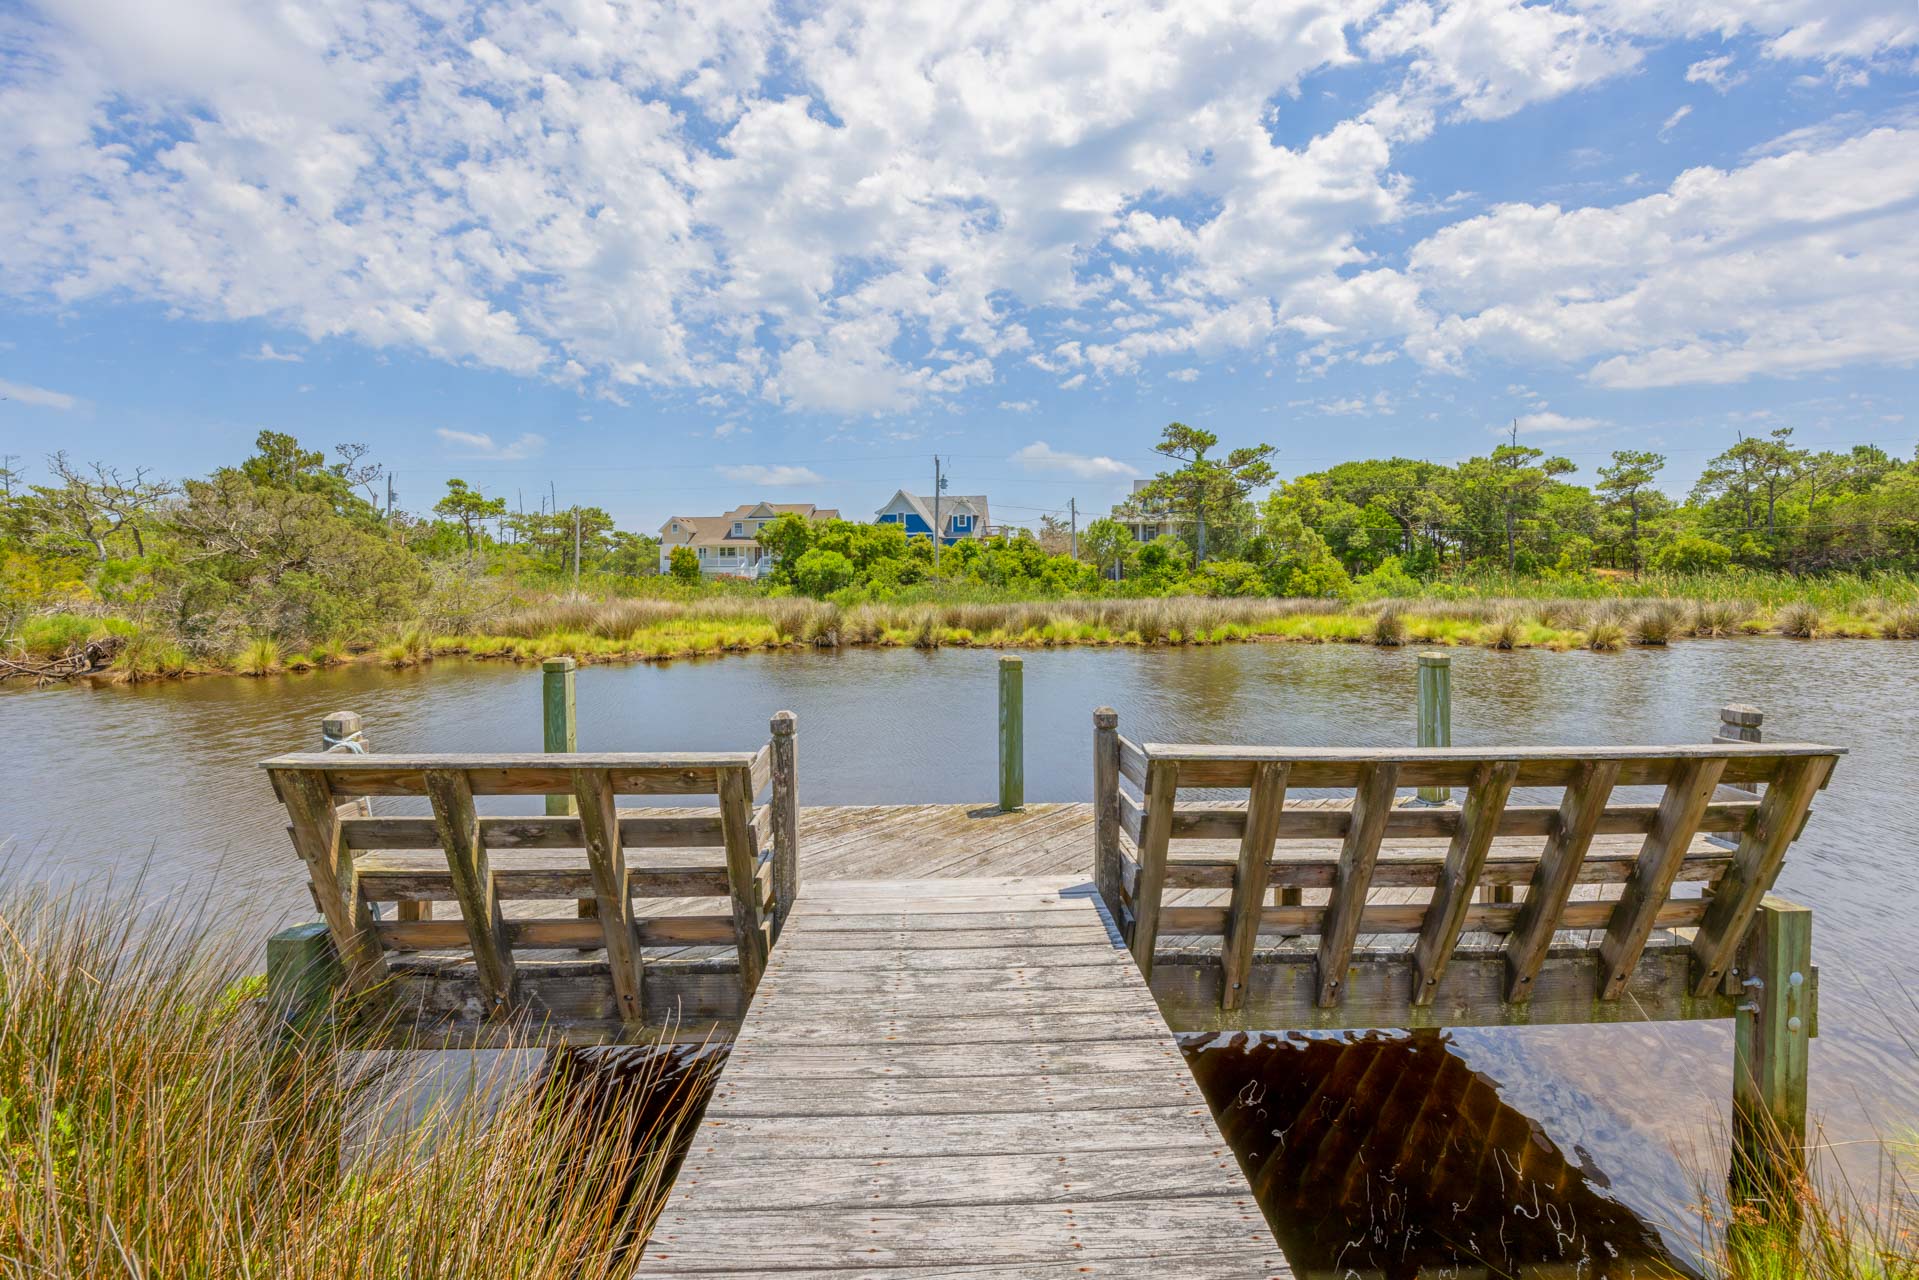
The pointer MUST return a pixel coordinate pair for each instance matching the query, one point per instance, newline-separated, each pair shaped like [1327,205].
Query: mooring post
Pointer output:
[343,730]
[557,710]
[562,735]
[303,972]
[1772,1045]
[1106,806]
[786,816]
[1435,713]
[1012,735]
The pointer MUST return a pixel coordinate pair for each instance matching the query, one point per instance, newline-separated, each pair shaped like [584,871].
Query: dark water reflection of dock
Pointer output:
[1386,1154]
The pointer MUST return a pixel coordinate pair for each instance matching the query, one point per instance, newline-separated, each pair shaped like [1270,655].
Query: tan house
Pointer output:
[728,545]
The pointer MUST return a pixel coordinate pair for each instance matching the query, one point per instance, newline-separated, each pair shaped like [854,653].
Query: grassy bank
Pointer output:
[643,629]
[147,1130]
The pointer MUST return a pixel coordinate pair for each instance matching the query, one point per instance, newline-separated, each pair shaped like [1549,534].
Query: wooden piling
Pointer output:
[303,974]
[1772,1039]
[1106,807]
[557,715]
[1435,713]
[557,711]
[786,816]
[1012,735]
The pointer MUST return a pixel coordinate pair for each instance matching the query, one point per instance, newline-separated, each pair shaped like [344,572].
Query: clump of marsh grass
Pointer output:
[1657,623]
[260,657]
[1903,623]
[1802,621]
[1605,637]
[1389,627]
[149,1128]
[1719,617]
[1505,631]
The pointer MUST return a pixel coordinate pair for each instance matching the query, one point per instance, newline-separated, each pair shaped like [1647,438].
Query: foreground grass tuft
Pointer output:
[147,1129]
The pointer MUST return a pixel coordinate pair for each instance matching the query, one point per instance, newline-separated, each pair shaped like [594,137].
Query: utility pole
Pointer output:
[939,482]
[1072,515]
[576,549]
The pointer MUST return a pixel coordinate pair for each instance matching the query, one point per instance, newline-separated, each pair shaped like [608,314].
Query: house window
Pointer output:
[962,523]
[729,553]
[702,553]
[739,529]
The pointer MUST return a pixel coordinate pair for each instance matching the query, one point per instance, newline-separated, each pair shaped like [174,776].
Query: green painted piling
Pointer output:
[1772,1034]
[557,708]
[1012,735]
[1435,713]
[303,974]
[562,735]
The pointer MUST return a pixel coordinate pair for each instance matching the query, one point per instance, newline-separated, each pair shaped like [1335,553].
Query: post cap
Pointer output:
[340,724]
[1009,660]
[1740,713]
[1105,718]
[784,722]
[1435,660]
[558,664]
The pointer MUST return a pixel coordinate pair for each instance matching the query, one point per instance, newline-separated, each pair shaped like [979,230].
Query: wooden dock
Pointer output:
[952,1025]
[945,1077]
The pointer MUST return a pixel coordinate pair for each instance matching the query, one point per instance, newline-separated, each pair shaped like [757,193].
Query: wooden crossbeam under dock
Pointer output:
[944,1077]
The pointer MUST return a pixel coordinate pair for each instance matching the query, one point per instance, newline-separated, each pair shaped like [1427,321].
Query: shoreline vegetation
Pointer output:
[290,561]
[652,629]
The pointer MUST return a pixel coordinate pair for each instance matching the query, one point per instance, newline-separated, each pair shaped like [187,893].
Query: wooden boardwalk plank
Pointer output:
[800,1241]
[1029,1093]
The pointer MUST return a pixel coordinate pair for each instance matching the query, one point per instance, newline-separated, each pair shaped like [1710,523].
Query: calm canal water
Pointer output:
[160,781]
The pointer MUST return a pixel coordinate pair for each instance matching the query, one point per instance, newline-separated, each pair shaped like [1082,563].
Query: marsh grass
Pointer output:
[1488,612]
[148,1128]
[258,658]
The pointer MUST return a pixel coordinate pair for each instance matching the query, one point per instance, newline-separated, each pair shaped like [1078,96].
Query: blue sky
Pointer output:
[666,259]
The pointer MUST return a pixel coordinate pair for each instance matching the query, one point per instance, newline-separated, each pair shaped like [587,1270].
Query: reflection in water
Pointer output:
[1388,1155]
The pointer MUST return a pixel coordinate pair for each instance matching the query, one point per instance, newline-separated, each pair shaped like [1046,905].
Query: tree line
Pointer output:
[300,545]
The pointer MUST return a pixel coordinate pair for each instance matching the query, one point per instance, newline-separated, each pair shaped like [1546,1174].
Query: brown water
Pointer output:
[161,781]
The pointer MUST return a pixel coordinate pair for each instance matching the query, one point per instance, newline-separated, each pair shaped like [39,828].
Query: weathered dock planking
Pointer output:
[946,1077]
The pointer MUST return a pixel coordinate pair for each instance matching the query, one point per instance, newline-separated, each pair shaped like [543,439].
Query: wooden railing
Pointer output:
[1462,877]
[756,871]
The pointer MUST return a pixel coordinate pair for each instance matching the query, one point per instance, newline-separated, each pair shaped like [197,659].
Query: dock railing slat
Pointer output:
[742,871]
[1162,783]
[1754,867]
[783,816]
[321,844]
[1249,882]
[1107,801]
[1479,821]
[1657,866]
[1558,871]
[1372,801]
[452,799]
[612,897]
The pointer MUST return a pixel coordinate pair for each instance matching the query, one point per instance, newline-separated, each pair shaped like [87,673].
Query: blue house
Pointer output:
[960,516]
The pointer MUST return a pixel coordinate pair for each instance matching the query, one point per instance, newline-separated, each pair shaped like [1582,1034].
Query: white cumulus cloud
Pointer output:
[771,476]
[1042,457]
[23,393]
[480,444]
[1797,262]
